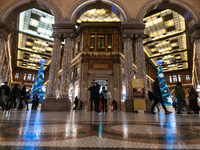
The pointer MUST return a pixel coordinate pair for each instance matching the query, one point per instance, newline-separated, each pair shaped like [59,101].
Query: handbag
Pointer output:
[192,97]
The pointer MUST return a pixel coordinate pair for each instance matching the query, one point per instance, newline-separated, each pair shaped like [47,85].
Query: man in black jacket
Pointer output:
[6,92]
[94,95]
[158,97]
[22,96]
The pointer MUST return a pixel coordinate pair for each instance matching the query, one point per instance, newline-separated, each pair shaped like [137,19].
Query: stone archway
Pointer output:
[82,7]
[183,8]
[12,10]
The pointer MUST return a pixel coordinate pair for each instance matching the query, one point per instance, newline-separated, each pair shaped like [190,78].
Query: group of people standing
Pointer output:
[95,97]
[179,95]
[16,96]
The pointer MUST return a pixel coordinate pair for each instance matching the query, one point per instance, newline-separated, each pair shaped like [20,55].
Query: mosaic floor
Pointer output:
[83,130]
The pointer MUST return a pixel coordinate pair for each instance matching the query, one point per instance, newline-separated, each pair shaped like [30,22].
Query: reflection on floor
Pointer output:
[90,130]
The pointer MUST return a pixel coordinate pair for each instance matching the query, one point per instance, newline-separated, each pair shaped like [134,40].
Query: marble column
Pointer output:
[54,68]
[197,55]
[128,66]
[3,45]
[140,61]
[128,69]
[65,77]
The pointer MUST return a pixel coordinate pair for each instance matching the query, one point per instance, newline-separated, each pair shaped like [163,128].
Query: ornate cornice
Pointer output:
[4,31]
[194,32]
[130,30]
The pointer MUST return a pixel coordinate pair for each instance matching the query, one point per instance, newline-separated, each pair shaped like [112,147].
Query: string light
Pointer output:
[140,62]
[65,76]
[128,66]
[53,73]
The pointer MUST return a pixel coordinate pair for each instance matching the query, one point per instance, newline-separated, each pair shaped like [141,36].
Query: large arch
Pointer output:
[186,10]
[82,7]
[12,10]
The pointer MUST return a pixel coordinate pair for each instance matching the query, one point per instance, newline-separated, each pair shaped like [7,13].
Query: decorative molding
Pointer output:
[96,72]
[194,32]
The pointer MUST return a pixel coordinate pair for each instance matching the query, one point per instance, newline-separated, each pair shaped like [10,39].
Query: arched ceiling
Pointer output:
[165,39]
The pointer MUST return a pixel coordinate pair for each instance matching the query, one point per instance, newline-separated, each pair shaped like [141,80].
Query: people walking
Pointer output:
[22,96]
[94,95]
[2,103]
[193,100]
[180,95]
[158,97]
[104,99]
[13,96]
[76,103]
[35,101]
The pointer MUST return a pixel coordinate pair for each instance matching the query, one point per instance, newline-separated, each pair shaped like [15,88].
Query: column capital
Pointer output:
[130,30]
[4,31]
[65,30]
[194,32]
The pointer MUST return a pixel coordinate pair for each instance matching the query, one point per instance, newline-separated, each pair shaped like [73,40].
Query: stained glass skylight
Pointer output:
[165,39]
[34,38]
[98,15]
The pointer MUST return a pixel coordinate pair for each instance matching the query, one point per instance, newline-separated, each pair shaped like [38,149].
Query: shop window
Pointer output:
[24,76]
[33,79]
[187,78]
[16,76]
[29,77]
[92,41]
[109,40]
[100,41]
[170,79]
[174,78]
[179,78]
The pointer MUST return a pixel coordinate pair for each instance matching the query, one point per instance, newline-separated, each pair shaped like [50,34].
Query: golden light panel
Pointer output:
[98,15]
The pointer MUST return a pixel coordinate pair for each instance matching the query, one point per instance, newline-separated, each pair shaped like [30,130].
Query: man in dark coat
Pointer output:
[6,92]
[13,96]
[158,97]
[22,96]
[94,95]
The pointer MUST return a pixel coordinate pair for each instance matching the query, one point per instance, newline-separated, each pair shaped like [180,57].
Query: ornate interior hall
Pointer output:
[61,46]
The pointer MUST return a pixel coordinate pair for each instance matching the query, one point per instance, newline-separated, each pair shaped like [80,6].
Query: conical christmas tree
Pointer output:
[38,86]
[163,86]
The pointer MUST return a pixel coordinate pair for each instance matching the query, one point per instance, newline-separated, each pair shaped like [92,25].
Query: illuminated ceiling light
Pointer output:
[174,44]
[29,43]
[151,23]
[169,23]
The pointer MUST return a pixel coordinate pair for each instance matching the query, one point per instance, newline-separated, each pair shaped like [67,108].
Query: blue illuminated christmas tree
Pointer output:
[163,85]
[38,86]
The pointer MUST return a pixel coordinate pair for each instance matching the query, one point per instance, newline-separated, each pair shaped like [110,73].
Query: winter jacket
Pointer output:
[22,92]
[156,89]
[14,92]
[179,93]
[94,91]
[6,88]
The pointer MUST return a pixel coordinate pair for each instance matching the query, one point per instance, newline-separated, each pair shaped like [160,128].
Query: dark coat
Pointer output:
[156,89]
[102,97]
[36,99]
[14,92]
[193,102]
[6,88]
[76,101]
[94,91]
[22,92]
